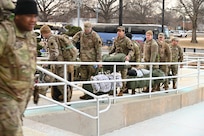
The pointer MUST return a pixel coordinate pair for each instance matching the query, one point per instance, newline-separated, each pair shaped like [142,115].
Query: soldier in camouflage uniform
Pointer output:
[136,49]
[90,51]
[18,52]
[177,56]
[122,44]
[150,53]
[164,56]
[55,54]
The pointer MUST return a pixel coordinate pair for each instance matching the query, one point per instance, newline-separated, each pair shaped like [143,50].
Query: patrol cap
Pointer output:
[24,7]
[175,39]
[87,25]
[121,28]
[149,32]
[45,29]
[160,35]
[7,5]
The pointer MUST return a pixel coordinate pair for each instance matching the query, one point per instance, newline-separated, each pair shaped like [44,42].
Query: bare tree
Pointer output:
[193,8]
[107,8]
[48,8]
[140,11]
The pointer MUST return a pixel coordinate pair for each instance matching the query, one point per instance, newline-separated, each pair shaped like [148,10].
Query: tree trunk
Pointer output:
[194,25]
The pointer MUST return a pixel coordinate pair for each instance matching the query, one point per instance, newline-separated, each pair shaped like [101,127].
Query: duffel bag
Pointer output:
[119,57]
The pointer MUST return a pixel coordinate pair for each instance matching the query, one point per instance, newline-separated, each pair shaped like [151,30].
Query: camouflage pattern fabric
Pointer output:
[66,48]
[177,56]
[17,68]
[177,53]
[57,55]
[122,45]
[164,56]
[151,52]
[136,52]
[90,51]
[86,72]
[90,46]
[9,117]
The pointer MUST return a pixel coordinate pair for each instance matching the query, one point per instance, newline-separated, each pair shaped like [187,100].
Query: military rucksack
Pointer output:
[68,50]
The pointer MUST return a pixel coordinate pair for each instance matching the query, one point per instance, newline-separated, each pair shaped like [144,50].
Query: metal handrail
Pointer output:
[106,97]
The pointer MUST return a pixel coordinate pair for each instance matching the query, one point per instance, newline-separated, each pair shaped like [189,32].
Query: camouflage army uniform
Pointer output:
[136,52]
[123,45]
[90,51]
[17,68]
[55,54]
[164,56]
[177,56]
[151,52]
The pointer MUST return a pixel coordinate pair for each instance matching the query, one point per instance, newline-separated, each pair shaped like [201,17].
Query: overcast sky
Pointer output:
[170,3]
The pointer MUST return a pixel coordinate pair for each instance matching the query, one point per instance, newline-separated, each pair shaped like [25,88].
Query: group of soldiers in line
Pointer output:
[91,51]
[159,50]
[18,58]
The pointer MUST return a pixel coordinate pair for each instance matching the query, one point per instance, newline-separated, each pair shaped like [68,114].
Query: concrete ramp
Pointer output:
[123,113]
[33,128]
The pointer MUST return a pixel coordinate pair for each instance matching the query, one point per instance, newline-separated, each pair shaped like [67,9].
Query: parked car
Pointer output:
[179,33]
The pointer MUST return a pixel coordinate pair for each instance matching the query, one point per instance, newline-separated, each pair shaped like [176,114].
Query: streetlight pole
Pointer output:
[78,3]
[163,16]
[120,12]
[97,10]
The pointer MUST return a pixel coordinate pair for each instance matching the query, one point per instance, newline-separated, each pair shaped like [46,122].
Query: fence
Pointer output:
[113,99]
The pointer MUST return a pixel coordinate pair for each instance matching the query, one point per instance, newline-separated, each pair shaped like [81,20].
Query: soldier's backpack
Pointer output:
[68,50]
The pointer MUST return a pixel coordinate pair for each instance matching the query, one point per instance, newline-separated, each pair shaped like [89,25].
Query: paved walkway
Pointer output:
[188,121]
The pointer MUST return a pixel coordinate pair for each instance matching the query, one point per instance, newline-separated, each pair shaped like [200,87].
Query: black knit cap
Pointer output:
[26,7]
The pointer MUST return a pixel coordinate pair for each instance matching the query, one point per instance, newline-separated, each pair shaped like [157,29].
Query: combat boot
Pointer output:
[166,87]
[110,92]
[86,97]
[157,87]
[174,85]
[120,93]
[154,89]
[133,91]
[146,90]
[125,90]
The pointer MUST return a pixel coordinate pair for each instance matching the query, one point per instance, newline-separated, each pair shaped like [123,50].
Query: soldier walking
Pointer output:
[122,44]
[164,56]
[55,54]
[18,52]
[177,56]
[90,51]
[151,53]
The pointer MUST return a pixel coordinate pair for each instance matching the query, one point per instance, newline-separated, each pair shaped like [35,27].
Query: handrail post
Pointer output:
[114,85]
[150,80]
[98,118]
[177,83]
[198,68]
[65,86]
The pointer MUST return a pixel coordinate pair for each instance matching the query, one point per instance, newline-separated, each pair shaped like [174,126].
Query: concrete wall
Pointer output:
[121,114]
